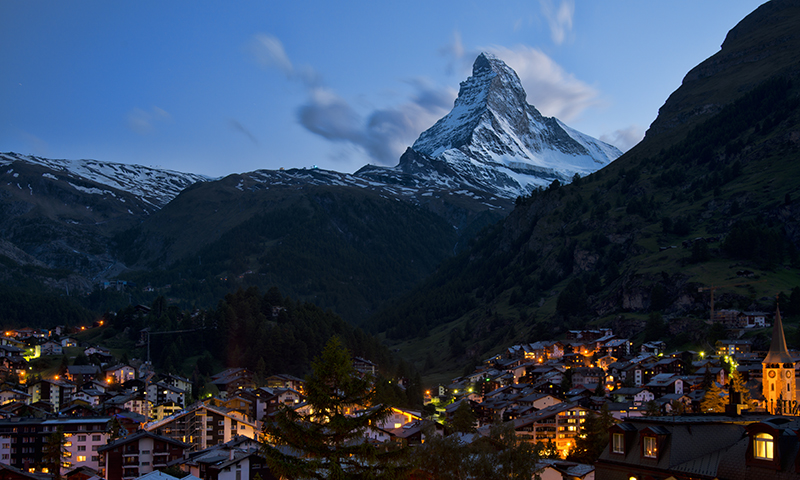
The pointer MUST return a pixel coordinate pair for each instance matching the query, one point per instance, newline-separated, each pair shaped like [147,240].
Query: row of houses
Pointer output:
[546,388]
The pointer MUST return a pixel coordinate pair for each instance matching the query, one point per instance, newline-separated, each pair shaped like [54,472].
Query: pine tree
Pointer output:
[737,385]
[53,452]
[653,409]
[566,380]
[499,456]
[708,378]
[63,367]
[600,390]
[678,408]
[712,401]
[328,439]
[548,450]
[463,418]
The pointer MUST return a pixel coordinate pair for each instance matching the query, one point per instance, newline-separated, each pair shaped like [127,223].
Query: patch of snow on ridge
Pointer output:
[89,190]
[153,186]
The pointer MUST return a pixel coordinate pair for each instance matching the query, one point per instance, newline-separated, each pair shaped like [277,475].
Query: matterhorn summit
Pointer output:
[495,140]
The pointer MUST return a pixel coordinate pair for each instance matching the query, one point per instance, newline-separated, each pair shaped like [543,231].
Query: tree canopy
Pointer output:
[327,437]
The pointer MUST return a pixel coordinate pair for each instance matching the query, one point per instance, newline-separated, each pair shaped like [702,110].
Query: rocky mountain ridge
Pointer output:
[493,140]
[707,201]
[101,220]
[154,186]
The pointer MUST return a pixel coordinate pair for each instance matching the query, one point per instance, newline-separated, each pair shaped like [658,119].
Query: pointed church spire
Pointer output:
[778,353]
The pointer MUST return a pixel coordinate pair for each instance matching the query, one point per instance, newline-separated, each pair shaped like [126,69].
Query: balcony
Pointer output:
[130,473]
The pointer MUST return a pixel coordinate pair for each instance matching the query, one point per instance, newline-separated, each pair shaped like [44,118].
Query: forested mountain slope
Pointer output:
[707,198]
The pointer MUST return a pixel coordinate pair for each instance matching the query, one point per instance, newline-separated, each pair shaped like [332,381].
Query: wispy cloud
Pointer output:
[551,89]
[237,126]
[385,133]
[382,133]
[143,121]
[624,138]
[559,18]
[454,52]
[269,52]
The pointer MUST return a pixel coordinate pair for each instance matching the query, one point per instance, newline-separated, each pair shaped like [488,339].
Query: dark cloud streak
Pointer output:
[383,133]
[234,124]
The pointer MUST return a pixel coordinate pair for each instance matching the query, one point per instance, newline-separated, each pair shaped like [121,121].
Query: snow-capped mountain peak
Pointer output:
[493,90]
[492,132]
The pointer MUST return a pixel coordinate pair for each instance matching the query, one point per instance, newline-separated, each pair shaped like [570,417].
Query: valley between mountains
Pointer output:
[497,226]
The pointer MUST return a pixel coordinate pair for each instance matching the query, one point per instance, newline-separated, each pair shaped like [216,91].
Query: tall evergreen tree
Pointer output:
[653,409]
[712,401]
[499,456]
[463,418]
[328,438]
[737,385]
[53,452]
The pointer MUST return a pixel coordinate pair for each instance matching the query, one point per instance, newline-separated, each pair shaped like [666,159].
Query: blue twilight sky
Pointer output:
[217,87]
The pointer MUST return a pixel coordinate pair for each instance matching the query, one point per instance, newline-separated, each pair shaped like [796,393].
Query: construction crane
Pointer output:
[712,288]
[147,332]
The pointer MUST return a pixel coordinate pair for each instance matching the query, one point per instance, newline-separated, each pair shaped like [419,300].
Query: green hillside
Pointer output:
[344,249]
[721,166]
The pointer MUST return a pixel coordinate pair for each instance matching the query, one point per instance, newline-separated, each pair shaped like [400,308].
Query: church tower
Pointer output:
[777,368]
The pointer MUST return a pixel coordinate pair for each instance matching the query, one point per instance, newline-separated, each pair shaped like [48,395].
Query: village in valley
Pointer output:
[123,420]
[478,291]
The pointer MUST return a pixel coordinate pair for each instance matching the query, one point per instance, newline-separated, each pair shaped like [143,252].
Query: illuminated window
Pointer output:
[650,449]
[763,447]
[81,458]
[619,443]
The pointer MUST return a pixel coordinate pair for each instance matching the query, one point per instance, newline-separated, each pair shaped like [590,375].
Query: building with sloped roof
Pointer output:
[22,440]
[702,447]
[238,459]
[203,425]
[7,472]
[138,454]
[559,423]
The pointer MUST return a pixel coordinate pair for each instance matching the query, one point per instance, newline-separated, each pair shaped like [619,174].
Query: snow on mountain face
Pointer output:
[154,186]
[492,147]
[493,134]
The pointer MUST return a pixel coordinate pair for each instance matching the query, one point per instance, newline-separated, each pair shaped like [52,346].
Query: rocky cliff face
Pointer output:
[494,139]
